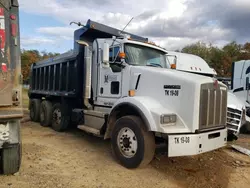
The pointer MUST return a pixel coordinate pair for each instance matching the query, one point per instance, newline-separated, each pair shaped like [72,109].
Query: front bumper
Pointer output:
[193,144]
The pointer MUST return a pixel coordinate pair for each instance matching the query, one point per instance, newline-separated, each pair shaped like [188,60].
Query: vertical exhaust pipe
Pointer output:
[87,72]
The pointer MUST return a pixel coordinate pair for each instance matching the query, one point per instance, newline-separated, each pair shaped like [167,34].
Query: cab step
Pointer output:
[91,130]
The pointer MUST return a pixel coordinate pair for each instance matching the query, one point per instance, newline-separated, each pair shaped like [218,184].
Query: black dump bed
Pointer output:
[64,75]
[58,76]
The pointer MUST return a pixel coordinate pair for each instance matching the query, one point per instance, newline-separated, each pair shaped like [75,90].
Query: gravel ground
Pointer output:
[76,159]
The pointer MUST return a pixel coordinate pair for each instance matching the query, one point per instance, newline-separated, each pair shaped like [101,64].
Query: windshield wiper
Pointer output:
[154,65]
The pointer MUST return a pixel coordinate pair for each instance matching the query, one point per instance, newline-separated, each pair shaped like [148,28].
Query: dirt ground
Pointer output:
[75,159]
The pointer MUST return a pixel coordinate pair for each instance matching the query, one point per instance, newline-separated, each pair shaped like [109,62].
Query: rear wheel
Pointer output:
[60,121]
[11,156]
[46,113]
[35,109]
[11,159]
[132,145]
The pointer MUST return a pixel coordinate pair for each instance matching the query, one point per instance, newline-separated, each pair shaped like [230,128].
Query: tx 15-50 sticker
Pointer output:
[172,90]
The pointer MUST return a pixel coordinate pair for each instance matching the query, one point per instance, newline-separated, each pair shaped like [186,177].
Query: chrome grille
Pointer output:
[213,106]
[233,118]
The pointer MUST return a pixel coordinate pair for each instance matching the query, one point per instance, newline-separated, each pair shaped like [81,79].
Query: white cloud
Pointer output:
[30,41]
[66,33]
[174,43]
[173,23]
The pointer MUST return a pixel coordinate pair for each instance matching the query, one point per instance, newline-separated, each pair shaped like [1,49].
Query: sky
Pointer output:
[172,24]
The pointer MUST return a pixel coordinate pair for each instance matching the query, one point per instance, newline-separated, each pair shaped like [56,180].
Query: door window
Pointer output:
[113,57]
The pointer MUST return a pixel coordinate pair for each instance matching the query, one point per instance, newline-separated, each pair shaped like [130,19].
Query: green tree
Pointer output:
[220,59]
[28,57]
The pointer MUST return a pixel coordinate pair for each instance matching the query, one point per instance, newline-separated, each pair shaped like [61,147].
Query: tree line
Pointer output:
[220,59]
[28,57]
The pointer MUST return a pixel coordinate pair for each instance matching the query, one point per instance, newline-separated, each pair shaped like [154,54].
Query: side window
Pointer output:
[113,51]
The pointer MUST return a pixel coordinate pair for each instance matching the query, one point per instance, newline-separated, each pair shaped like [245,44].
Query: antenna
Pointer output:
[128,23]
[77,23]
[122,30]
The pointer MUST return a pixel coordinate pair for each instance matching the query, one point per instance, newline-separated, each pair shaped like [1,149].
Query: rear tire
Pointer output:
[60,121]
[132,145]
[35,109]
[46,113]
[11,159]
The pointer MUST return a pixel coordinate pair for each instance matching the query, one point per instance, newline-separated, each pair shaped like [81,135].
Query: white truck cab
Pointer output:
[175,105]
[236,110]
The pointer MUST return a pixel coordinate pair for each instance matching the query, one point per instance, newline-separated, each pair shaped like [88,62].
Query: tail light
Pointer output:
[13,17]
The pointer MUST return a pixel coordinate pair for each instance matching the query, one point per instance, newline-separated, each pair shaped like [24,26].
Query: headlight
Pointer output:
[168,118]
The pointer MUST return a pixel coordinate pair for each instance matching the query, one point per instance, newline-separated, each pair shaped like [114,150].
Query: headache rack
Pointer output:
[93,30]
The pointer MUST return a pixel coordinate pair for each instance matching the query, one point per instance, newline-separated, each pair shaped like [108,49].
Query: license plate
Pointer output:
[182,140]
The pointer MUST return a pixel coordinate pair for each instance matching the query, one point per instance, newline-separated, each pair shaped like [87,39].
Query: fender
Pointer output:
[149,110]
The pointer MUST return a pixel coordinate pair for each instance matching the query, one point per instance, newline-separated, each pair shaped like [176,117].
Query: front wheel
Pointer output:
[132,145]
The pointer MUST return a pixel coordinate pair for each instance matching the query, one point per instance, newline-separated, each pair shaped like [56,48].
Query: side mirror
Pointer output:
[105,53]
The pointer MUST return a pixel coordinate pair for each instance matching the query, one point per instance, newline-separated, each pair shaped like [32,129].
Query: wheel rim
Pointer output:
[127,142]
[57,116]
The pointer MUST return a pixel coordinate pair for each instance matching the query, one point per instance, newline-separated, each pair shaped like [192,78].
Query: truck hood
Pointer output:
[194,78]
[171,91]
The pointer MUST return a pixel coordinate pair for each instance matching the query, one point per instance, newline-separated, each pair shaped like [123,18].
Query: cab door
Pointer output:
[110,78]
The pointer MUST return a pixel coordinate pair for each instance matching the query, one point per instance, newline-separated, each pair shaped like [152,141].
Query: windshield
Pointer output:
[144,56]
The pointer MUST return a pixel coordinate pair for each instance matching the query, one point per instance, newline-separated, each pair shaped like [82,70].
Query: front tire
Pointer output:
[132,145]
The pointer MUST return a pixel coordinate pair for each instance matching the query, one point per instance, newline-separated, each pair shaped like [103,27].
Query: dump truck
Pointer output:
[116,85]
[10,88]
[236,110]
